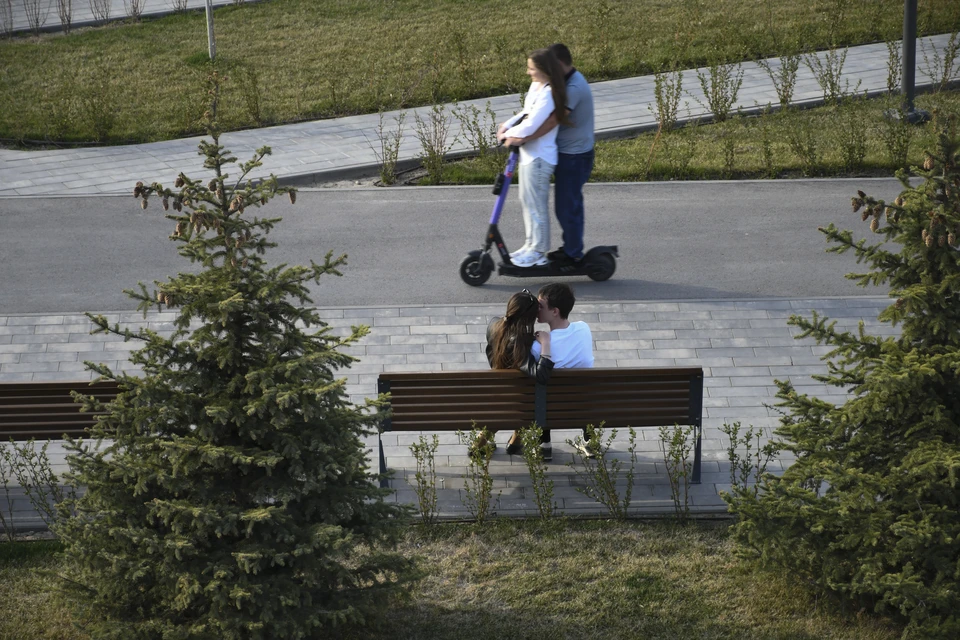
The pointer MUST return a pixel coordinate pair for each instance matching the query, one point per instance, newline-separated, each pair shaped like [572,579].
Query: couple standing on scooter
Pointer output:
[554,141]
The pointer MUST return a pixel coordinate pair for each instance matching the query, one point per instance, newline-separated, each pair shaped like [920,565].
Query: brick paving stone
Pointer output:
[736,388]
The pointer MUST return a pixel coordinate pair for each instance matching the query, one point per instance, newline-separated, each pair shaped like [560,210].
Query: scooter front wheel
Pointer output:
[476,268]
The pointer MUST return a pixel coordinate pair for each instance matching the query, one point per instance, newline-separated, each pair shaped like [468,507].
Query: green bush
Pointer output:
[870,510]
[228,491]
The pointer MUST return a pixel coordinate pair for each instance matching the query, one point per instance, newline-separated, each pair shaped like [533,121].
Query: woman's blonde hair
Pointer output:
[513,334]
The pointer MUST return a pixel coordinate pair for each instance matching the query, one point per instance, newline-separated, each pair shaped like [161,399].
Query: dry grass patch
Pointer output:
[534,579]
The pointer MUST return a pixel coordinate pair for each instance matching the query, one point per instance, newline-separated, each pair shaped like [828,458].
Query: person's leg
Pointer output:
[573,171]
[540,211]
[564,200]
[526,180]
[534,196]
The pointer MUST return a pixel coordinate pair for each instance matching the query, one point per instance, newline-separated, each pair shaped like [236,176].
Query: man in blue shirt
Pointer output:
[575,160]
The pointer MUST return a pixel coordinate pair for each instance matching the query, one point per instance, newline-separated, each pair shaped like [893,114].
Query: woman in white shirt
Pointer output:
[538,157]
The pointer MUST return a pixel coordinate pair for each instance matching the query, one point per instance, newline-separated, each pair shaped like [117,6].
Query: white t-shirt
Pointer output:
[537,105]
[570,348]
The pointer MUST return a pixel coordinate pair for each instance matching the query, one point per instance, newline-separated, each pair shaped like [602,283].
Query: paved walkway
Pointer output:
[343,147]
[82,14]
[743,345]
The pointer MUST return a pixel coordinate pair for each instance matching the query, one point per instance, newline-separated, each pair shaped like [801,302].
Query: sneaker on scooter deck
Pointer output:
[598,264]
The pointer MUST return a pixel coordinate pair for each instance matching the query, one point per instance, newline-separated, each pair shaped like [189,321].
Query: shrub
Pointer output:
[870,510]
[231,496]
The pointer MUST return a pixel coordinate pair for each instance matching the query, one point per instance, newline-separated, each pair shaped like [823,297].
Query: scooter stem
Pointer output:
[503,184]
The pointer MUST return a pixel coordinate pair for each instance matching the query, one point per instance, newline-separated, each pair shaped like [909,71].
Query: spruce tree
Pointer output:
[870,509]
[228,493]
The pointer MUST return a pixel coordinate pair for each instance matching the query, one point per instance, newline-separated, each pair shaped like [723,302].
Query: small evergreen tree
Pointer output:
[870,510]
[228,494]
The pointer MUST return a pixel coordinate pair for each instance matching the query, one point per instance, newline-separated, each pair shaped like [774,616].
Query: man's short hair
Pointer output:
[562,53]
[558,296]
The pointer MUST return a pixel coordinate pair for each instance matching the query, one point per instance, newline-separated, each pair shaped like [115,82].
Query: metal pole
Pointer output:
[212,42]
[909,56]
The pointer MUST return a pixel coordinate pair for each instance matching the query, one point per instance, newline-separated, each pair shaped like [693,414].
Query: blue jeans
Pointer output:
[573,171]
[534,201]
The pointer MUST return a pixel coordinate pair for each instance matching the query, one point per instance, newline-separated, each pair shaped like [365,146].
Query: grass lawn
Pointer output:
[527,579]
[290,60]
[736,149]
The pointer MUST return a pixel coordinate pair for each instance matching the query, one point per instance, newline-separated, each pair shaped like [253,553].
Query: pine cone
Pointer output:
[928,163]
[952,239]
[179,230]
[856,203]
[166,203]
[179,183]
[942,240]
[212,186]
[220,194]
[244,263]
[874,225]
[865,214]
[923,235]
[888,212]
[143,203]
[137,190]
[293,197]
[929,241]
[899,303]
[233,261]
[862,195]
[159,296]
[898,201]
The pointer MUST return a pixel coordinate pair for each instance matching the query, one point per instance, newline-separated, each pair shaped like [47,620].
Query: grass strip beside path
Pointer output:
[736,149]
[532,579]
[290,60]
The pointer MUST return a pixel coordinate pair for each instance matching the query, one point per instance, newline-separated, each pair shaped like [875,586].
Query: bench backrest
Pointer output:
[508,399]
[45,410]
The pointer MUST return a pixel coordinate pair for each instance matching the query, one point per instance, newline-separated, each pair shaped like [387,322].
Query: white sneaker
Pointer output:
[531,259]
[519,252]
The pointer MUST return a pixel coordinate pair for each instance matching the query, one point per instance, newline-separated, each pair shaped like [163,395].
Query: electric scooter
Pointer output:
[598,263]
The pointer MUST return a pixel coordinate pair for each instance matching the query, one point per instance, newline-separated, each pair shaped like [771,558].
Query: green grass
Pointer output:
[700,152]
[528,579]
[320,58]
[597,579]
[31,605]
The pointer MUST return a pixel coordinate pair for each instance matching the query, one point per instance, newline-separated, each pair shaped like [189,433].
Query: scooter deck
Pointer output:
[549,269]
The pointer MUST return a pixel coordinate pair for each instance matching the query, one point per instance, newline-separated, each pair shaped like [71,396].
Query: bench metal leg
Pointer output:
[384,483]
[696,458]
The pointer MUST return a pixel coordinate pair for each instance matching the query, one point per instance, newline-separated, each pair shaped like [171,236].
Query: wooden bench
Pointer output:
[46,410]
[574,398]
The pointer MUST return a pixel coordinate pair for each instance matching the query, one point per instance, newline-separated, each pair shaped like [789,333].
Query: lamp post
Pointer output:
[909,58]
[212,41]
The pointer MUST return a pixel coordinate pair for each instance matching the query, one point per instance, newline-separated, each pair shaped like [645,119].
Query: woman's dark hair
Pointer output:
[513,334]
[546,61]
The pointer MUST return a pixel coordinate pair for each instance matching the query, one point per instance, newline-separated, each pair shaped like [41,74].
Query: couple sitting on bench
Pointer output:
[512,343]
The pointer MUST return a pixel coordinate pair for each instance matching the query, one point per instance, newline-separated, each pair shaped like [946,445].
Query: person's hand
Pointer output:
[513,142]
[543,337]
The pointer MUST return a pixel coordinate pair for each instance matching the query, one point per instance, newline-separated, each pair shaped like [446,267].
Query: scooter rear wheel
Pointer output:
[602,267]
[476,268]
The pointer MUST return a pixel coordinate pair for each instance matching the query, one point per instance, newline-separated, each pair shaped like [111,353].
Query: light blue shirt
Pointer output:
[577,138]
